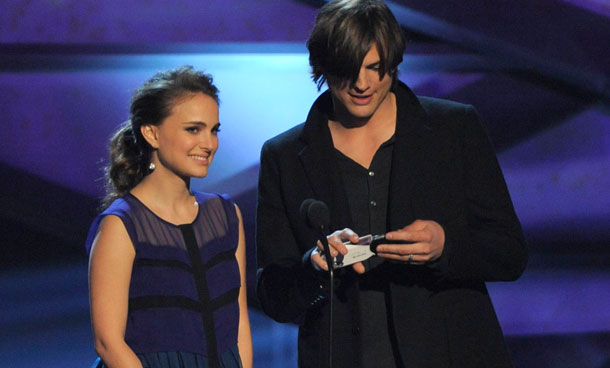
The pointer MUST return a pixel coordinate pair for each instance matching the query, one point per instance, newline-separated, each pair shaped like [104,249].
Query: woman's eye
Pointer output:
[192,129]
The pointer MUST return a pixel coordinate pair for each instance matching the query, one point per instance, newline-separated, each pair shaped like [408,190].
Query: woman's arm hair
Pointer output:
[244,337]
[110,265]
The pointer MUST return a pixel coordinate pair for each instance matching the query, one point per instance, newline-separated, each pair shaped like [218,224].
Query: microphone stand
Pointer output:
[318,217]
[330,263]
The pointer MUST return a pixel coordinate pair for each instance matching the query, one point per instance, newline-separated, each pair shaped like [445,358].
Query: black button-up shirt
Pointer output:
[367,193]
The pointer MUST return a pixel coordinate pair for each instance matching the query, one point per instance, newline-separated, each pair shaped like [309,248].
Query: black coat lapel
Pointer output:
[319,163]
[411,129]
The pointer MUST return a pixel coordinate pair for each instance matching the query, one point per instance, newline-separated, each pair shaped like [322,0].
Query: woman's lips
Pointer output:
[200,158]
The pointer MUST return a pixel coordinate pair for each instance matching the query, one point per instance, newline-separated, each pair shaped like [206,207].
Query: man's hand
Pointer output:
[336,247]
[424,242]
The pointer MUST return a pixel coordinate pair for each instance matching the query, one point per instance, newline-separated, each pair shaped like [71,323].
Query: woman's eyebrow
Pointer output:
[195,123]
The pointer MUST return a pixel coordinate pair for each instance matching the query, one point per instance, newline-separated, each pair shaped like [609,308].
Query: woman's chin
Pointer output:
[200,175]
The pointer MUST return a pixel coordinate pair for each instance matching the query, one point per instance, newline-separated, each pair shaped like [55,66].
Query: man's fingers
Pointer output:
[401,249]
[416,253]
[336,239]
[349,234]
[359,267]
[412,236]
[335,243]
[333,246]
[407,258]
[319,261]
[416,225]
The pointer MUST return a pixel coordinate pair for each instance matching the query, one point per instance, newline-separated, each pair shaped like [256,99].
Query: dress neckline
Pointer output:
[161,218]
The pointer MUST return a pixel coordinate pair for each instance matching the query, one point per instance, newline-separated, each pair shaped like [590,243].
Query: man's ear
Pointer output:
[150,133]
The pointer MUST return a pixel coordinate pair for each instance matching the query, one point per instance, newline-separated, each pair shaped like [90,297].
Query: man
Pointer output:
[385,161]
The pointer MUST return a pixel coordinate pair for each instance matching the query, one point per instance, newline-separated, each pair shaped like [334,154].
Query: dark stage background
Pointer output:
[538,71]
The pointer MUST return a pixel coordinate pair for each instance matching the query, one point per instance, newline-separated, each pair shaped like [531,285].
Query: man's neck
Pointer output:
[380,126]
[360,143]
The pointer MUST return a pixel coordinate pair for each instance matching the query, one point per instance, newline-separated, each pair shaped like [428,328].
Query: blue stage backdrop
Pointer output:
[536,70]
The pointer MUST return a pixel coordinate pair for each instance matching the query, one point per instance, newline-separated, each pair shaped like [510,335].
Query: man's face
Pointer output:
[359,101]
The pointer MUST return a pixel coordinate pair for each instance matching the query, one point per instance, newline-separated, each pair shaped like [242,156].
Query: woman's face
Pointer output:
[187,139]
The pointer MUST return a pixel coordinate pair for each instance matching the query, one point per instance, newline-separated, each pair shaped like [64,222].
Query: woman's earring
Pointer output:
[152,166]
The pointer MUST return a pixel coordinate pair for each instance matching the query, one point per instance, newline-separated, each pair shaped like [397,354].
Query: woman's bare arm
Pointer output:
[244,337]
[110,265]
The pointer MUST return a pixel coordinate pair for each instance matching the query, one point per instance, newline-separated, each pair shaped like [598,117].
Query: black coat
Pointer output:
[443,169]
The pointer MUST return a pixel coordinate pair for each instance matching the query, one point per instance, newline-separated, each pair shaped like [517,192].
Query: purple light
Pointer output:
[553,302]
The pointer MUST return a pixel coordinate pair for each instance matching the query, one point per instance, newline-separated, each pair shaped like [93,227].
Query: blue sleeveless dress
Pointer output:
[183,308]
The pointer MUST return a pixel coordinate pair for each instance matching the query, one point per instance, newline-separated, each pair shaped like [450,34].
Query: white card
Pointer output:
[355,252]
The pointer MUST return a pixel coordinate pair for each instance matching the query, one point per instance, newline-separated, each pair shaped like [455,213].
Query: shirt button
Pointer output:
[373,203]
[371,173]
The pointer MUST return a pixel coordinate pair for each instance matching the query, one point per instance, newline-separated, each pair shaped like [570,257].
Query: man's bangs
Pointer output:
[348,55]
[347,61]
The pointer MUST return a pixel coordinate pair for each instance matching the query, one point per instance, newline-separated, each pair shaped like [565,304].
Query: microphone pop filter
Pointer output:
[316,213]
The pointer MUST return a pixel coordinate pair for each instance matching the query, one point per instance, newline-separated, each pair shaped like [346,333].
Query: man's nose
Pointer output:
[361,84]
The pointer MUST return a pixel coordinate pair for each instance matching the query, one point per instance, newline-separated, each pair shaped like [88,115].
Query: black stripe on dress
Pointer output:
[163,301]
[228,255]
[199,273]
[226,298]
[148,262]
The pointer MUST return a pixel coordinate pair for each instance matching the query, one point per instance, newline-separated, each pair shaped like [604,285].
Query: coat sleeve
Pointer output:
[488,244]
[287,284]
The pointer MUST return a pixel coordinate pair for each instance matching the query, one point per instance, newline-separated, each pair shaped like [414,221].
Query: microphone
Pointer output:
[317,215]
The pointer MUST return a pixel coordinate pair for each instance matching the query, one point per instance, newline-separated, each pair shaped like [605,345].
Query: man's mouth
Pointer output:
[361,99]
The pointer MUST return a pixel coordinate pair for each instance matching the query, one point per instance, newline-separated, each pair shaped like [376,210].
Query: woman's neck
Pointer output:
[169,196]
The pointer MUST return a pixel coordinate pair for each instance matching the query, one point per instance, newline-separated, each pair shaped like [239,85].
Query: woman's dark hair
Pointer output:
[130,153]
[344,32]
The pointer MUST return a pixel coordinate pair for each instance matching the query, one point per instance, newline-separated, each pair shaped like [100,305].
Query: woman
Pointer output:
[167,265]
